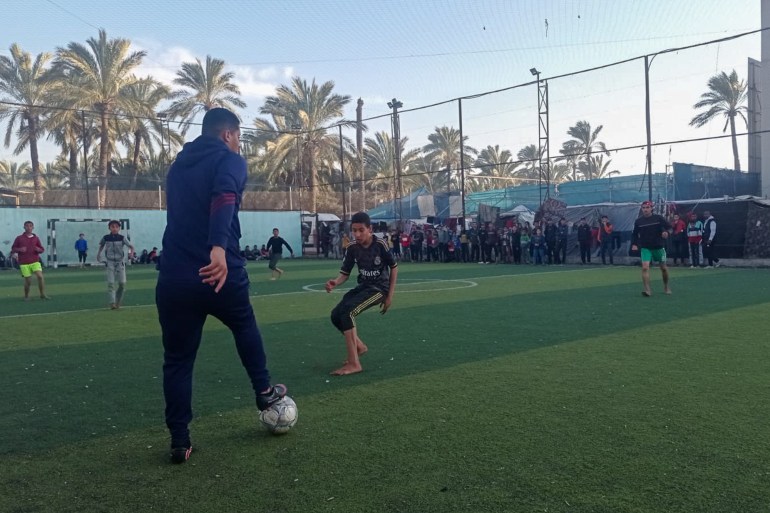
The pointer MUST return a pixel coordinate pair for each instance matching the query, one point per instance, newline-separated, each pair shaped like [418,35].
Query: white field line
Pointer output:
[305,291]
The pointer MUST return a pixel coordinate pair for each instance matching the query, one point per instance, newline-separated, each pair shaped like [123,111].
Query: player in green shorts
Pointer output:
[650,234]
[28,248]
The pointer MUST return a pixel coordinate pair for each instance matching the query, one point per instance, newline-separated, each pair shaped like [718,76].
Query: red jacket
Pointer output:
[605,230]
[28,248]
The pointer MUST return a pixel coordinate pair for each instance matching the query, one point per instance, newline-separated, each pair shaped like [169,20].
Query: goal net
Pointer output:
[62,234]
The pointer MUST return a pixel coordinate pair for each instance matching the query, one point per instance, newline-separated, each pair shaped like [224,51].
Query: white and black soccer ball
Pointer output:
[280,417]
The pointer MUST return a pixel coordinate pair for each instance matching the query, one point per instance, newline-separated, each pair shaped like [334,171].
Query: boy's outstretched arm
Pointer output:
[339,280]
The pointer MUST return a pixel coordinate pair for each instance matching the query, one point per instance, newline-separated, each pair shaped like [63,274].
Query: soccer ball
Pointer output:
[280,417]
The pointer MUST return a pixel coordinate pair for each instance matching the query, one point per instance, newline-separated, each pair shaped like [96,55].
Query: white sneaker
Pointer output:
[717,265]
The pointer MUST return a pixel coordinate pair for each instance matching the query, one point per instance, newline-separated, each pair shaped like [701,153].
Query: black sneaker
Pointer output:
[272,396]
[180,452]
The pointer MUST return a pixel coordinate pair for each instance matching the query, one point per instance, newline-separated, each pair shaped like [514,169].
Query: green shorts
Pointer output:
[653,255]
[28,269]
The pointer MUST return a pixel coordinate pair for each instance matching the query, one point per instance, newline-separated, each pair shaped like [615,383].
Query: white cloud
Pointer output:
[163,62]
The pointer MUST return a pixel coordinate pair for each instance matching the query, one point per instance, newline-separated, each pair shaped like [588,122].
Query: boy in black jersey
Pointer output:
[377,272]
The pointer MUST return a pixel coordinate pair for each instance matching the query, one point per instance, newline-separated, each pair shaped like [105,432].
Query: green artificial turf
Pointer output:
[487,388]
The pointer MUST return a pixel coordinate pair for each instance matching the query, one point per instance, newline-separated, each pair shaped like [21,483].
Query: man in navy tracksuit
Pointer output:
[202,272]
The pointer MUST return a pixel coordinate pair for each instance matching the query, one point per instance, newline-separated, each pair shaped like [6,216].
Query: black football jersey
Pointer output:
[374,263]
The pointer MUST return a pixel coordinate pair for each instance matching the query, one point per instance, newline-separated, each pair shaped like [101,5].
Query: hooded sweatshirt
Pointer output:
[203,195]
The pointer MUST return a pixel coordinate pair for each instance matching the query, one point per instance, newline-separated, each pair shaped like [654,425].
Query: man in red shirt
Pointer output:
[28,248]
[679,239]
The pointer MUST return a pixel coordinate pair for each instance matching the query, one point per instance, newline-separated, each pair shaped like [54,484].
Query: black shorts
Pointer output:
[353,303]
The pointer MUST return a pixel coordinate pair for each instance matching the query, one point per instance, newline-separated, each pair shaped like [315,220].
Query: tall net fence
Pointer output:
[579,137]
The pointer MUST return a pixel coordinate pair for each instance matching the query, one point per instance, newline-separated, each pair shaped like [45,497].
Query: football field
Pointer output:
[486,388]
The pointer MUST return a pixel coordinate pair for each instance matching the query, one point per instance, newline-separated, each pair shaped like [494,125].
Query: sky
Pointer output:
[425,52]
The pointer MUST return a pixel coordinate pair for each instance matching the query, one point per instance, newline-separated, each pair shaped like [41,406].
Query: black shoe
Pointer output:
[180,452]
[272,396]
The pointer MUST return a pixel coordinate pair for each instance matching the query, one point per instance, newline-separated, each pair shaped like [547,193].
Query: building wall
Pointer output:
[146,226]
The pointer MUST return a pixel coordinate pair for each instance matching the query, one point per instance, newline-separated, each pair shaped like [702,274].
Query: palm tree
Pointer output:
[144,125]
[27,83]
[428,173]
[570,151]
[494,163]
[311,108]
[274,154]
[561,172]
[595,167]
[586,142]
[530,158]
[99,76]
[379,164]
[205,88]
[14,175]
[725,97]
[53,177]
[66,130]
[444,150]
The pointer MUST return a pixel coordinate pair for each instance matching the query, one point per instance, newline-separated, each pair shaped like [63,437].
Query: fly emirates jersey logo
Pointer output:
[370,274]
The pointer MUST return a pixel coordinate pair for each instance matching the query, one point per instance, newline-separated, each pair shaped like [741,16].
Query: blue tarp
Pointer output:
[617,189]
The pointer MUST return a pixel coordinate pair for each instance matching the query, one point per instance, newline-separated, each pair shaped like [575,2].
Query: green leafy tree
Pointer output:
[571,157]
[493,163]
[725,98]
[444,150]
[100,74]
[380,166]
[15,175]
[144,126]
[529,160]
[204,88]
[586,141]
[312,108]
[27,83]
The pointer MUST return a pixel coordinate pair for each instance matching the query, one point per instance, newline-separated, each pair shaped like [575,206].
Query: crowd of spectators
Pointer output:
[538,243]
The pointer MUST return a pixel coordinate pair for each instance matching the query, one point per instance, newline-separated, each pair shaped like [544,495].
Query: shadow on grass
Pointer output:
[74,393]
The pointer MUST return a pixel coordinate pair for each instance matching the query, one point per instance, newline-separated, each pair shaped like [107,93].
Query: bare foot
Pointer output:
[646,293]
[347,369]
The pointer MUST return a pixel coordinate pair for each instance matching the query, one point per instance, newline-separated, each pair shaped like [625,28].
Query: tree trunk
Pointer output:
[104,158]
[736,158]
[313,181]
[35,159]
[73,153]
[135,158]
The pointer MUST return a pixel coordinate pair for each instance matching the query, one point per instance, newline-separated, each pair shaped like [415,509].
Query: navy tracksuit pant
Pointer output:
[183,307]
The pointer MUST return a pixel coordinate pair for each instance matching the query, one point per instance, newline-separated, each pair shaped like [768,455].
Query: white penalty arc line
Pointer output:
[306,291]
[416,281]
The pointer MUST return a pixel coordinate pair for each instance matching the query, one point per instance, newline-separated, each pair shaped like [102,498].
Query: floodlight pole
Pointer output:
[342,174]
[395,105]
[647,63]
[85,157]
[462,166]
[543,139]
